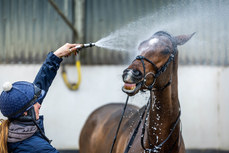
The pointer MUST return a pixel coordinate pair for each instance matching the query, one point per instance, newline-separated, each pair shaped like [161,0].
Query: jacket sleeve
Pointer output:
[47,72]
[34,144]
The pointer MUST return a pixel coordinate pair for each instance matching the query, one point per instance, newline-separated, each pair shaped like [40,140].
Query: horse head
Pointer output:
[156,54]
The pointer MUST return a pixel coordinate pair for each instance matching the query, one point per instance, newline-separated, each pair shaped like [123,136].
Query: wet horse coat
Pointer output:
[154,70]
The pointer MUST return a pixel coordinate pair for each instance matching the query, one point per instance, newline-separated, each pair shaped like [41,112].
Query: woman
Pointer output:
[20,102]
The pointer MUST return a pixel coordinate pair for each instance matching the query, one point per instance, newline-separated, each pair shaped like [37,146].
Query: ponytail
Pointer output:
[4,125]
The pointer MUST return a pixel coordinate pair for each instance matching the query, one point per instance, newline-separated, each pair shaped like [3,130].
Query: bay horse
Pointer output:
[154,127]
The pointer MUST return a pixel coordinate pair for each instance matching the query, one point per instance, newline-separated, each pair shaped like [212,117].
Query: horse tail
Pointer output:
[4,127]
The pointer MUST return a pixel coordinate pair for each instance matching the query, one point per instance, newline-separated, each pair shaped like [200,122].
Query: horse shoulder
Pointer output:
[99,130]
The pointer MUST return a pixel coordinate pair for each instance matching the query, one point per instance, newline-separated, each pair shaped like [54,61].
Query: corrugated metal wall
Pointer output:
[31,28]
[208,18]
[106,16]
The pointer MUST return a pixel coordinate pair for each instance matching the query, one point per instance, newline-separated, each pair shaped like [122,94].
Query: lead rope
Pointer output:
[144,124]
[157,147]
[116,134]
[136,129]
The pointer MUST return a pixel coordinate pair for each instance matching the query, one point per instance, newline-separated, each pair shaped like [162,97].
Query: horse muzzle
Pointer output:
[132,81]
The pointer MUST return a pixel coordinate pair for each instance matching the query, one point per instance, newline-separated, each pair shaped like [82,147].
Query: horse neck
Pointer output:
[164,109]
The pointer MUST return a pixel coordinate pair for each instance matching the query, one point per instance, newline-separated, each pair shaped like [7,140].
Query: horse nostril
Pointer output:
[131,75]
[126,71]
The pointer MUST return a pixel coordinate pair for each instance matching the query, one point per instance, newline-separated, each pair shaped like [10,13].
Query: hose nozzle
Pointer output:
[85,45]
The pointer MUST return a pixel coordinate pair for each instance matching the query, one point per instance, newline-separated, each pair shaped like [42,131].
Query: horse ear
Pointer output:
[182,39]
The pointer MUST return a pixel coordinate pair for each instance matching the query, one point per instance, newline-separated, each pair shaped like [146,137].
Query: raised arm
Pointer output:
[48,70]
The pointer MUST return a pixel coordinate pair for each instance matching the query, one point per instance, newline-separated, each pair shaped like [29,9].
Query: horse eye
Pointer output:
[165,51]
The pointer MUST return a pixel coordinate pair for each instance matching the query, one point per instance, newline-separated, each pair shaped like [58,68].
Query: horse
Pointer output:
[156,126]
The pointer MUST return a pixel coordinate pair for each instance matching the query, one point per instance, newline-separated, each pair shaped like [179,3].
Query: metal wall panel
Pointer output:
[29,29]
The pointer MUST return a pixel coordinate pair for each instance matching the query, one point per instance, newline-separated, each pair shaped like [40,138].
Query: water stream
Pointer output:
[178,18]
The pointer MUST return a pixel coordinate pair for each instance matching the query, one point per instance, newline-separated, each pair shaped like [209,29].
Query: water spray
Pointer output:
[78,47]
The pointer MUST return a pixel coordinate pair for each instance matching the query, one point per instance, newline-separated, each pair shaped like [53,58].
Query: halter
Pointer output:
[159,71]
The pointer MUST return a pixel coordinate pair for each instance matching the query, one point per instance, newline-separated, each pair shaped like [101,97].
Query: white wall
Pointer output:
[203,93]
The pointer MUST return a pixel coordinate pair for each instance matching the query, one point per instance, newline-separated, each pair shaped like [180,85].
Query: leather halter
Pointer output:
[159,71]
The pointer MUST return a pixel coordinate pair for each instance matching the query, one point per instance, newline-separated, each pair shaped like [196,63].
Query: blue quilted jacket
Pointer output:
[36,143]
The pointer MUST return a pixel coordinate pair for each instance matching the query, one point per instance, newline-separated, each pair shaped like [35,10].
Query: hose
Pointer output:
[72,86]
[75,86]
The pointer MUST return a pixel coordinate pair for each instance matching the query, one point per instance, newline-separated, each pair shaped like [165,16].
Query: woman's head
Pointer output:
[18,98]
